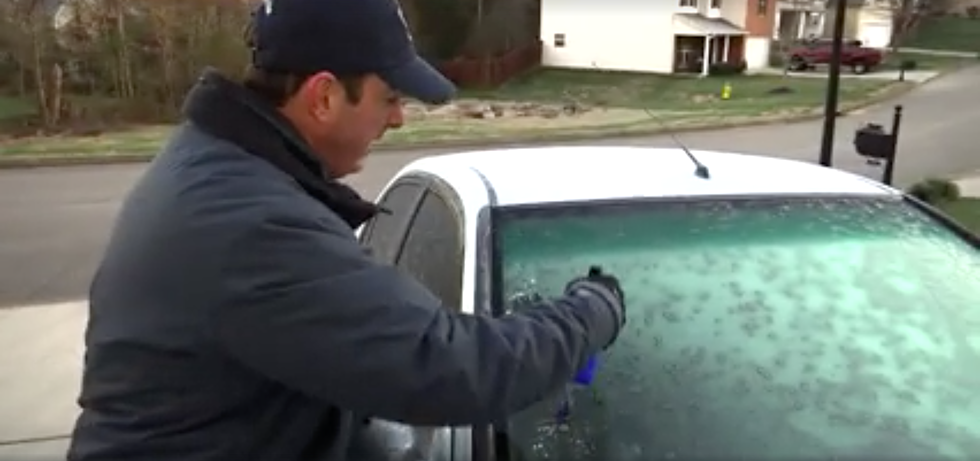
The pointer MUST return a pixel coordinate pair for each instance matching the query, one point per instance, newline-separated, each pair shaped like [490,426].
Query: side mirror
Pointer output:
[379,440]
[871,141]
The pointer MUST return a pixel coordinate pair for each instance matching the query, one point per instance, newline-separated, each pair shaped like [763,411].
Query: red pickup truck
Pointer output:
[811,53]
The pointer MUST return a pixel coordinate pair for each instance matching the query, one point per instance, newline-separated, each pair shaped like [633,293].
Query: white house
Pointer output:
[659,36]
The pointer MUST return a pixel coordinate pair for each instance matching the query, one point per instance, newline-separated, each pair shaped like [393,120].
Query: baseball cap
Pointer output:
[345,37]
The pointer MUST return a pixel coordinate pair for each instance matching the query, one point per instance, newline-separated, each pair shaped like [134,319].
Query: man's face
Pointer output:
[339,127]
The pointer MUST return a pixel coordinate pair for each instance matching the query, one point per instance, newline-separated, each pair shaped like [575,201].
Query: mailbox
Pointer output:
[872,141]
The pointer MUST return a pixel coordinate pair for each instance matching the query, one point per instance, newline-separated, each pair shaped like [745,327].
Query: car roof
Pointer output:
[573,173]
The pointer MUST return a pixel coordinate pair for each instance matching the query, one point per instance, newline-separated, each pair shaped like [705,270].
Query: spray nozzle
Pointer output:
[584,377]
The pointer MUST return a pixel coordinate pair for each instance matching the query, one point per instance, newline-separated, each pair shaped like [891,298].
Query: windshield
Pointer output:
[802,329]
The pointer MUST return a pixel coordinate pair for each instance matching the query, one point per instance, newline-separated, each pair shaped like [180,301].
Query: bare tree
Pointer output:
[905,15]
[132,60]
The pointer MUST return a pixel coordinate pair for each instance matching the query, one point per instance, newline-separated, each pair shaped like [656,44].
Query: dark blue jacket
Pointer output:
[235,316]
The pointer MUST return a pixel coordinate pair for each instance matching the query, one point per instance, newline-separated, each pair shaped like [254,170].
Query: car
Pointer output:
[777,309]
[811,53]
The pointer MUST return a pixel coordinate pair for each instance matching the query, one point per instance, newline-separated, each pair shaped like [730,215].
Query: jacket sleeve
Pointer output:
[309,308]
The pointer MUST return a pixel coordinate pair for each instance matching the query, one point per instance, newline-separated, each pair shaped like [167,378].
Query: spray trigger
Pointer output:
[587,373]
[583,378]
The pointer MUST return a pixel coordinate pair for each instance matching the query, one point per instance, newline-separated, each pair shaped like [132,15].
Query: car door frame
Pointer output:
[367,230]
[457,443]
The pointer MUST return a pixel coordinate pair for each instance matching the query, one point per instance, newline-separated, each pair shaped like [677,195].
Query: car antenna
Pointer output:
[700,169]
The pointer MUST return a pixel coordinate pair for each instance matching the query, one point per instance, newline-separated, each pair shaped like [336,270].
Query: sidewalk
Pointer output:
[41,363]
[917,76]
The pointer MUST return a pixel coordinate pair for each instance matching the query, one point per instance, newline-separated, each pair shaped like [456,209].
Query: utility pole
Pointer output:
[833,85]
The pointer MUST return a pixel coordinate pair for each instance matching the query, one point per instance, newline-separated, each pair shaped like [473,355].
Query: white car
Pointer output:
[778,310]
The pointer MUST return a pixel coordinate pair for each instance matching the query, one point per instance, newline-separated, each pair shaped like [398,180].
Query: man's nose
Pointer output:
[397,117]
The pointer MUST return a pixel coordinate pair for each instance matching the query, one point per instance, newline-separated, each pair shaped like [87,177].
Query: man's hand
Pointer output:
[603,285]
[610,282]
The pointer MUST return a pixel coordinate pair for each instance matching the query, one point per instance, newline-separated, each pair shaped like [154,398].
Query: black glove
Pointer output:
[603,285]
[598,277]
[610,282]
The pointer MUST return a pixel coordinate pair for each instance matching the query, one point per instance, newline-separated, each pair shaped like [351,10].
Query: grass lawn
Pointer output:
[11,107]
[620,102]
[966,211]
[750,94]
[947,33]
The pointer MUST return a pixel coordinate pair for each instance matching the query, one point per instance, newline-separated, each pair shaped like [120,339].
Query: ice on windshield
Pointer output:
[814,330]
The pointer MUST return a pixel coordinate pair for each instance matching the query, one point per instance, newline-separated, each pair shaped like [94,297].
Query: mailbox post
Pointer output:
[873,143]
[906,65]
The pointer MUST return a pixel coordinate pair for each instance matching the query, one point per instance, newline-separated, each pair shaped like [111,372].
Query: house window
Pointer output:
[715,4]
[689,3]
[762,7]
[559,40]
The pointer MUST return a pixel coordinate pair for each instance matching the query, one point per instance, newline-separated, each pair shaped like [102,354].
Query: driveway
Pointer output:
[56,221]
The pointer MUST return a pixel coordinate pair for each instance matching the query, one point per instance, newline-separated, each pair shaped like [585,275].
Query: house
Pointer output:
[658,36]
[869,21]
[799,19]
[962,7]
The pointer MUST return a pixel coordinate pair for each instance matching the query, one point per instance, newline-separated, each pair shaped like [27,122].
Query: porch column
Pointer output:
[776,23]
[728,48]
[706,60]
[804,18]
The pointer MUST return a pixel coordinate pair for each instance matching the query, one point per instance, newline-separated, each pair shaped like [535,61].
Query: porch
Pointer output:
[799,19]
[798,24]
[700,41]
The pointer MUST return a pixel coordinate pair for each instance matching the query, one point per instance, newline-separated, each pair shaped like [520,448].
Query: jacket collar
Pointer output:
[228,111]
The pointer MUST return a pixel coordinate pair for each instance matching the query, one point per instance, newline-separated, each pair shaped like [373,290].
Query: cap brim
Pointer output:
[419,80]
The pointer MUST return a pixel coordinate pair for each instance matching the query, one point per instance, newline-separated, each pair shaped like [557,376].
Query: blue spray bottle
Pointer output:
[582,379]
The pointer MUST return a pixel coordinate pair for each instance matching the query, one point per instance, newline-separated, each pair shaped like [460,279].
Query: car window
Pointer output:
[433,250]
[386,232]
[769,330]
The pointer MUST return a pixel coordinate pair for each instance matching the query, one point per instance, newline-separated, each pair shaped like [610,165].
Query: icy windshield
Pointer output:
[797,329]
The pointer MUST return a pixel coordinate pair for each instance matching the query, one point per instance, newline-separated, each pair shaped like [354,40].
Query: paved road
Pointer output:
[54,222]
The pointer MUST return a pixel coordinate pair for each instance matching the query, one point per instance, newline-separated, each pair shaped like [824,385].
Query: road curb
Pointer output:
[626,132]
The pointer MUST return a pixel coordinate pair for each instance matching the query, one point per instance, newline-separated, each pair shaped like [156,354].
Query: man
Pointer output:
[235,317]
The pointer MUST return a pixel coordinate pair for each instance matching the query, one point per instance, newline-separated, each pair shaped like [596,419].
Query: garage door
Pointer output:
[876,35]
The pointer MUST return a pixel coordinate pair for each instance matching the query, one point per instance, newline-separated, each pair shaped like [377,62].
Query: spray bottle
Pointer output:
[583,378]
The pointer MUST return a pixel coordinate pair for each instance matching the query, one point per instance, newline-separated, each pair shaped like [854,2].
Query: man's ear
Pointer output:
[323,91]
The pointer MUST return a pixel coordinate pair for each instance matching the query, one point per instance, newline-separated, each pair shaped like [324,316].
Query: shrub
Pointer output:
[935,191]
[973,12]
[777,60]
[727,68]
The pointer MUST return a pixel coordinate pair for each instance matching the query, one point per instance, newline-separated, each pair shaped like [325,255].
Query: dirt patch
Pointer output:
[476,119]
[474,109]
[479,114]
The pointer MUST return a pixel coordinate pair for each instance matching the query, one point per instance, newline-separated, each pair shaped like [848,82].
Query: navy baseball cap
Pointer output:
[345,37]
